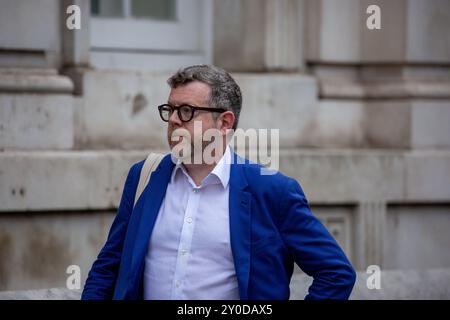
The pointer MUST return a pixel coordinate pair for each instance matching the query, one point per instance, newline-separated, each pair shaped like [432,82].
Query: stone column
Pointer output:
[75,44]
[258,35]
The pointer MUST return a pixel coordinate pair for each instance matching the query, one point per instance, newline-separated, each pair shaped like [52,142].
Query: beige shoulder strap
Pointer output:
[150,164]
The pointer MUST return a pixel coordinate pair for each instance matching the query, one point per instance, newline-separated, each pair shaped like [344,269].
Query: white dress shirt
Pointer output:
[189,254]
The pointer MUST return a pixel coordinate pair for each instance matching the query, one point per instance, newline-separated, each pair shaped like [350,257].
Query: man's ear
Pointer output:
[227,120]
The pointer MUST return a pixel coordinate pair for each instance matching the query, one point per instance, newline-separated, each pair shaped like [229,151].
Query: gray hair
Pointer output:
[225,93]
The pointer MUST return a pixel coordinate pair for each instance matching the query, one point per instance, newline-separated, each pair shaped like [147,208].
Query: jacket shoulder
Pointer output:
[264,179]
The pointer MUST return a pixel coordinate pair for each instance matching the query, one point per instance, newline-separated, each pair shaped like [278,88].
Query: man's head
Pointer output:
[203,87]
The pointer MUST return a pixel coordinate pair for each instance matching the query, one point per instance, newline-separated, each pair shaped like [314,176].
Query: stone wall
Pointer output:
[364,119]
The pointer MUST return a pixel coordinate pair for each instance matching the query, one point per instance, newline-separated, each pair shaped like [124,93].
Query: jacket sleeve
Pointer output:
[102,277]
[313,248]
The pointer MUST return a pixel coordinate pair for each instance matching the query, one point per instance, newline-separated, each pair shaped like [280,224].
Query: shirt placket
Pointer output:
[184,247]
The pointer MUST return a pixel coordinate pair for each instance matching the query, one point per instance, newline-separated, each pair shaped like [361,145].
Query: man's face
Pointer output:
[195,94]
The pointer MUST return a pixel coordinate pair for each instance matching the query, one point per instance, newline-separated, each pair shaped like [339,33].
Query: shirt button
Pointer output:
[178,284]
[189,220]
[183,252]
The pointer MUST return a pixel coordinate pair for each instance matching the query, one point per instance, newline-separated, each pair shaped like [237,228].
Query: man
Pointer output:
[213,230]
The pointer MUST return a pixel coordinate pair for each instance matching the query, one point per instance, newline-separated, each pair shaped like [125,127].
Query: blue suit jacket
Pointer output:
[271,228]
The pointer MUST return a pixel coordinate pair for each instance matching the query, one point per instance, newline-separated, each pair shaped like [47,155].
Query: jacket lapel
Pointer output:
[240,225]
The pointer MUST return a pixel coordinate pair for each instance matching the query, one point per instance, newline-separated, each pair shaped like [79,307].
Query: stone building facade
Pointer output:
[364,117]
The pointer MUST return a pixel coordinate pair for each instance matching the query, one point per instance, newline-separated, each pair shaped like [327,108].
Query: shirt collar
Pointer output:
[220,173]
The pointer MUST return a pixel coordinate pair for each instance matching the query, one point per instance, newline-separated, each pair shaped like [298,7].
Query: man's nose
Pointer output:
[174,119]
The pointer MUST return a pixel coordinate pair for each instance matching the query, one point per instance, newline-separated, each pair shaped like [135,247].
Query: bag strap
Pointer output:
[150,165]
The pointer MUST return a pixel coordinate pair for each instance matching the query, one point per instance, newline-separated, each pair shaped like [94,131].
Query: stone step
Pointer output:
[395,285]
[85,180]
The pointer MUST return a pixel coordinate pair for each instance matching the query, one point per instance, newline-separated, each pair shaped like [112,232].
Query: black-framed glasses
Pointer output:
[185,111]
